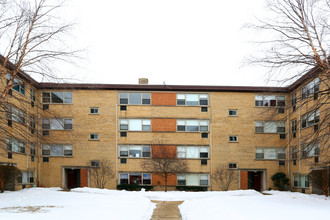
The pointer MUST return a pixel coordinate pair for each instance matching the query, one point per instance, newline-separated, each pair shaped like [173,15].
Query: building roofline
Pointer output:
[198,88]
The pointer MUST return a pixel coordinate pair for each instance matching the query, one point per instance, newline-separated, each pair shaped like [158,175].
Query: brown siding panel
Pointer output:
[244,179]
[163,98]
[83,177]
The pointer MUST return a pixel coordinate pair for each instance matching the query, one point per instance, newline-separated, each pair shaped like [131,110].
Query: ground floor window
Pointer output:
[26,177]
[193,179]
[135,178]
[300,181]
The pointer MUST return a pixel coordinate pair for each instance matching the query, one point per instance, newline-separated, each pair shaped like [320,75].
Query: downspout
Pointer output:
[299,140]
[38,144]
[116,156]
[27,134]
[288,148]
[211,154]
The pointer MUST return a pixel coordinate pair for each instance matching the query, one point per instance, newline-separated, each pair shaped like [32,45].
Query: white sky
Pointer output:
[195,42]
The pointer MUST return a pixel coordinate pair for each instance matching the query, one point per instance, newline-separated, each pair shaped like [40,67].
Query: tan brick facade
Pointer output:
[127,132]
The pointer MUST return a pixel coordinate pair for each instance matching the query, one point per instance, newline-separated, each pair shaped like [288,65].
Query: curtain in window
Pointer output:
[181,151]
[25,177]
[204,125]
[135,151]
[57,124]
[204,179]
[192,179]
[192,99]
[270,127]
[192,152]
[270,153]
[135,98]
[192,125]
[56,150]
[135,125]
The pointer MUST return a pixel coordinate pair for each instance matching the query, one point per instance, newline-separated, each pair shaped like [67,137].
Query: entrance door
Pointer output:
[73,178]
[254,180]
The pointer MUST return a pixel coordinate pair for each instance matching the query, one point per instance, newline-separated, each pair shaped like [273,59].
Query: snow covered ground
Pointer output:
[88,203]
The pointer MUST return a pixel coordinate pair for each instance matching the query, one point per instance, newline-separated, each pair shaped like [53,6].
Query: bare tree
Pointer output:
[32,39]
[223,177]
[297,40]
[164,163]
[102,174]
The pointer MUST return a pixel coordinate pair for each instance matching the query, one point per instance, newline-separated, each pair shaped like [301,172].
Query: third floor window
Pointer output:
[57,97]
[269,100]
[57,123]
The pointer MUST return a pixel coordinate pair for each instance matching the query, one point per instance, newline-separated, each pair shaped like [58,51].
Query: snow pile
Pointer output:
[52,204]
[279,205]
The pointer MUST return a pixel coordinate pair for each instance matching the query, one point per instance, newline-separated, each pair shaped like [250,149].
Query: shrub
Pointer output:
[133,187]
[280,181]
[191,188]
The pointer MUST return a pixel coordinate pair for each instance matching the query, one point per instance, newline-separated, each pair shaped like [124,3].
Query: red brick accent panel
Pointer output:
[83,177]
[163,98]
[163,124]
[163,151]
[157,180]
[244,179]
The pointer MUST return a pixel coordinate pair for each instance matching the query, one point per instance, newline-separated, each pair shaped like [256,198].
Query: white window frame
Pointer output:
[310,150]
[132,146]
[128,98]
[62,122]
[233,141]
[16,145]
[142,178]
[29,175]
[94,137]
[16,114]
[231,164]
[66,101]
[263,98]
[49,148]
[93,109]
[185,152]
[144,122]
[278,152]
[277,127]
[199,125]
[17,83]
[305,118]
[233,110]
[310,88]
[300,180]
[199,95]
[199,179]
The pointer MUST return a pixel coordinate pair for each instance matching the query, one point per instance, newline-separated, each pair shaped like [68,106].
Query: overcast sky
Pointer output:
[196,42]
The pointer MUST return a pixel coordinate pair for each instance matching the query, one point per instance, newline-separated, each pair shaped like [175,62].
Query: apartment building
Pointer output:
[56,133]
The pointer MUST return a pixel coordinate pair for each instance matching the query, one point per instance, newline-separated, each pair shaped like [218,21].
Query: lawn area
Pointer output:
[88,203]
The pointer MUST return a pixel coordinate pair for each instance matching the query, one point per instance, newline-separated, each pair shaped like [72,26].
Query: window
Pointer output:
[193,179]
[135,178]
[232,166]
[95,163]
[270,153]
[26,177]
[15,145]
[232,112]
[32,122]
[135,151]
[270,126]
[57,123]
[18,85]
[233,139]
[134,98]
[294,153]
[310,119]
[135,125]
[269,100]
[15,114]
[192,99]
[94,111]
[192,152]
[300,181]
[57,97]
[33,95]
[310,88]
[310,150]
[94,137]
[192,125]
[293,125]
[293,100]
[57,150]
[32,149]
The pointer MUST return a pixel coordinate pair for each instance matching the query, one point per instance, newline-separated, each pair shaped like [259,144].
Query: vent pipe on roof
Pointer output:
[143,81]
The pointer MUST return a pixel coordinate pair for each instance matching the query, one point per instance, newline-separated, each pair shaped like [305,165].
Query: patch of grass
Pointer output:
[32,209]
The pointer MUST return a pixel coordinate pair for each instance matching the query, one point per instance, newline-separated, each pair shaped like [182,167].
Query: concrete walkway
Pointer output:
[166,210]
